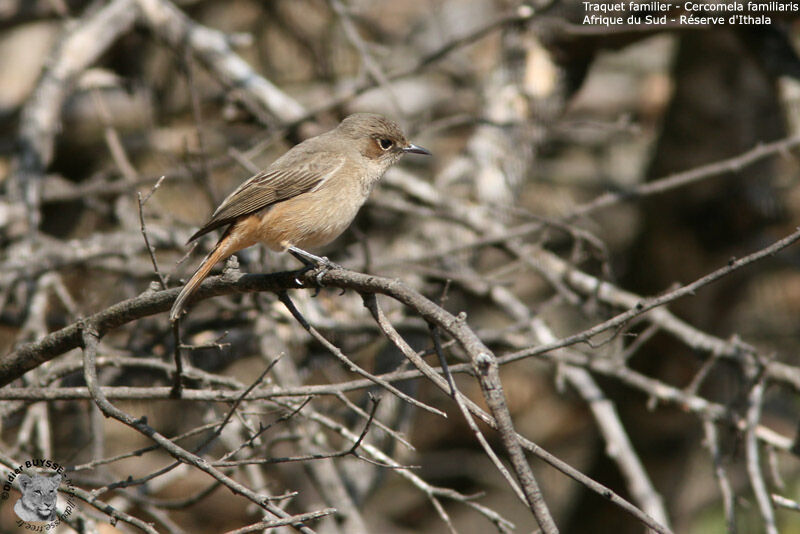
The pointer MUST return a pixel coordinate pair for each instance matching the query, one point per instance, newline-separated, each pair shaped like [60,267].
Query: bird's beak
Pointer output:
[414,149]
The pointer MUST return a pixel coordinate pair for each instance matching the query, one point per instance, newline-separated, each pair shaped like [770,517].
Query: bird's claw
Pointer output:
[323,267]
[320,264]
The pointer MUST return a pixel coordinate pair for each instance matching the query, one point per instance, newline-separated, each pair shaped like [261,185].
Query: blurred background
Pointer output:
[531,115]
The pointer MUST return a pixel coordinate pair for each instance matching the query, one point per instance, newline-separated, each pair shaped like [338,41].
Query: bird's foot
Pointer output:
[313,262]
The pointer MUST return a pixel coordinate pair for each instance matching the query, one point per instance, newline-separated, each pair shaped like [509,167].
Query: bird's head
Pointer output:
[379,139]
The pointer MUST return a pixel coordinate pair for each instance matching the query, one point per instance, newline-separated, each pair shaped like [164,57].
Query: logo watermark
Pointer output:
[38,480]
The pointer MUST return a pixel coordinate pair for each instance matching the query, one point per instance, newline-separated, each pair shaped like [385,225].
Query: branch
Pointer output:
[644,305]
[755,400]
[213,49]
[82,44]
[674,181]
[90,338]
[274,523]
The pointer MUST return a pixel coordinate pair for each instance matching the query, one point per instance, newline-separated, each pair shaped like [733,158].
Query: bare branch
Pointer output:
[79,48]
[213,49]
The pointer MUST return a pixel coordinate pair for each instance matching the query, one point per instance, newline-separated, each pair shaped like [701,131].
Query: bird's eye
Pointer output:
[386,144]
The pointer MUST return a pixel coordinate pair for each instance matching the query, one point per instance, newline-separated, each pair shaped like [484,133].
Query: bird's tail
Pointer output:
[220,251]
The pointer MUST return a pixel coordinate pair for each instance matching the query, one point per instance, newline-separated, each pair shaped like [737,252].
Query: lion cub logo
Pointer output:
[38,502]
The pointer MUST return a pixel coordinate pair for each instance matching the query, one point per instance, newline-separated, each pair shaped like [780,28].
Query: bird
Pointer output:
[306,198]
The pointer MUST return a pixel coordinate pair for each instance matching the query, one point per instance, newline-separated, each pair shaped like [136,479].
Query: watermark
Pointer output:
[684,13]
[38,480]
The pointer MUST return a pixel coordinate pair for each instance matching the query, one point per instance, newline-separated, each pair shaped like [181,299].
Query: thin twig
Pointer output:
[755,401]
[275,523]
[143,227]
[721,474]
[90,337]
[333,349]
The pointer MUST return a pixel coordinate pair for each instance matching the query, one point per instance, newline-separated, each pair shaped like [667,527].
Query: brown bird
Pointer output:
[307,197]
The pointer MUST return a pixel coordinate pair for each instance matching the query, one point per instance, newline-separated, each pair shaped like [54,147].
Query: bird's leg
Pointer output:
[308,259]
[312,261]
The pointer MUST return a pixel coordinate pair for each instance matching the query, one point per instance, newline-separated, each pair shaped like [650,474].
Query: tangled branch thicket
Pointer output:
[580,315]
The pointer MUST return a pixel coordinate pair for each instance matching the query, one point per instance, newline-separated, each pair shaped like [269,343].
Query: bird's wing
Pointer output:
[275,184]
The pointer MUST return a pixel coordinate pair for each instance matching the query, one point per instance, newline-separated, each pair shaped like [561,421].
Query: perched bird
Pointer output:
[307,197]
